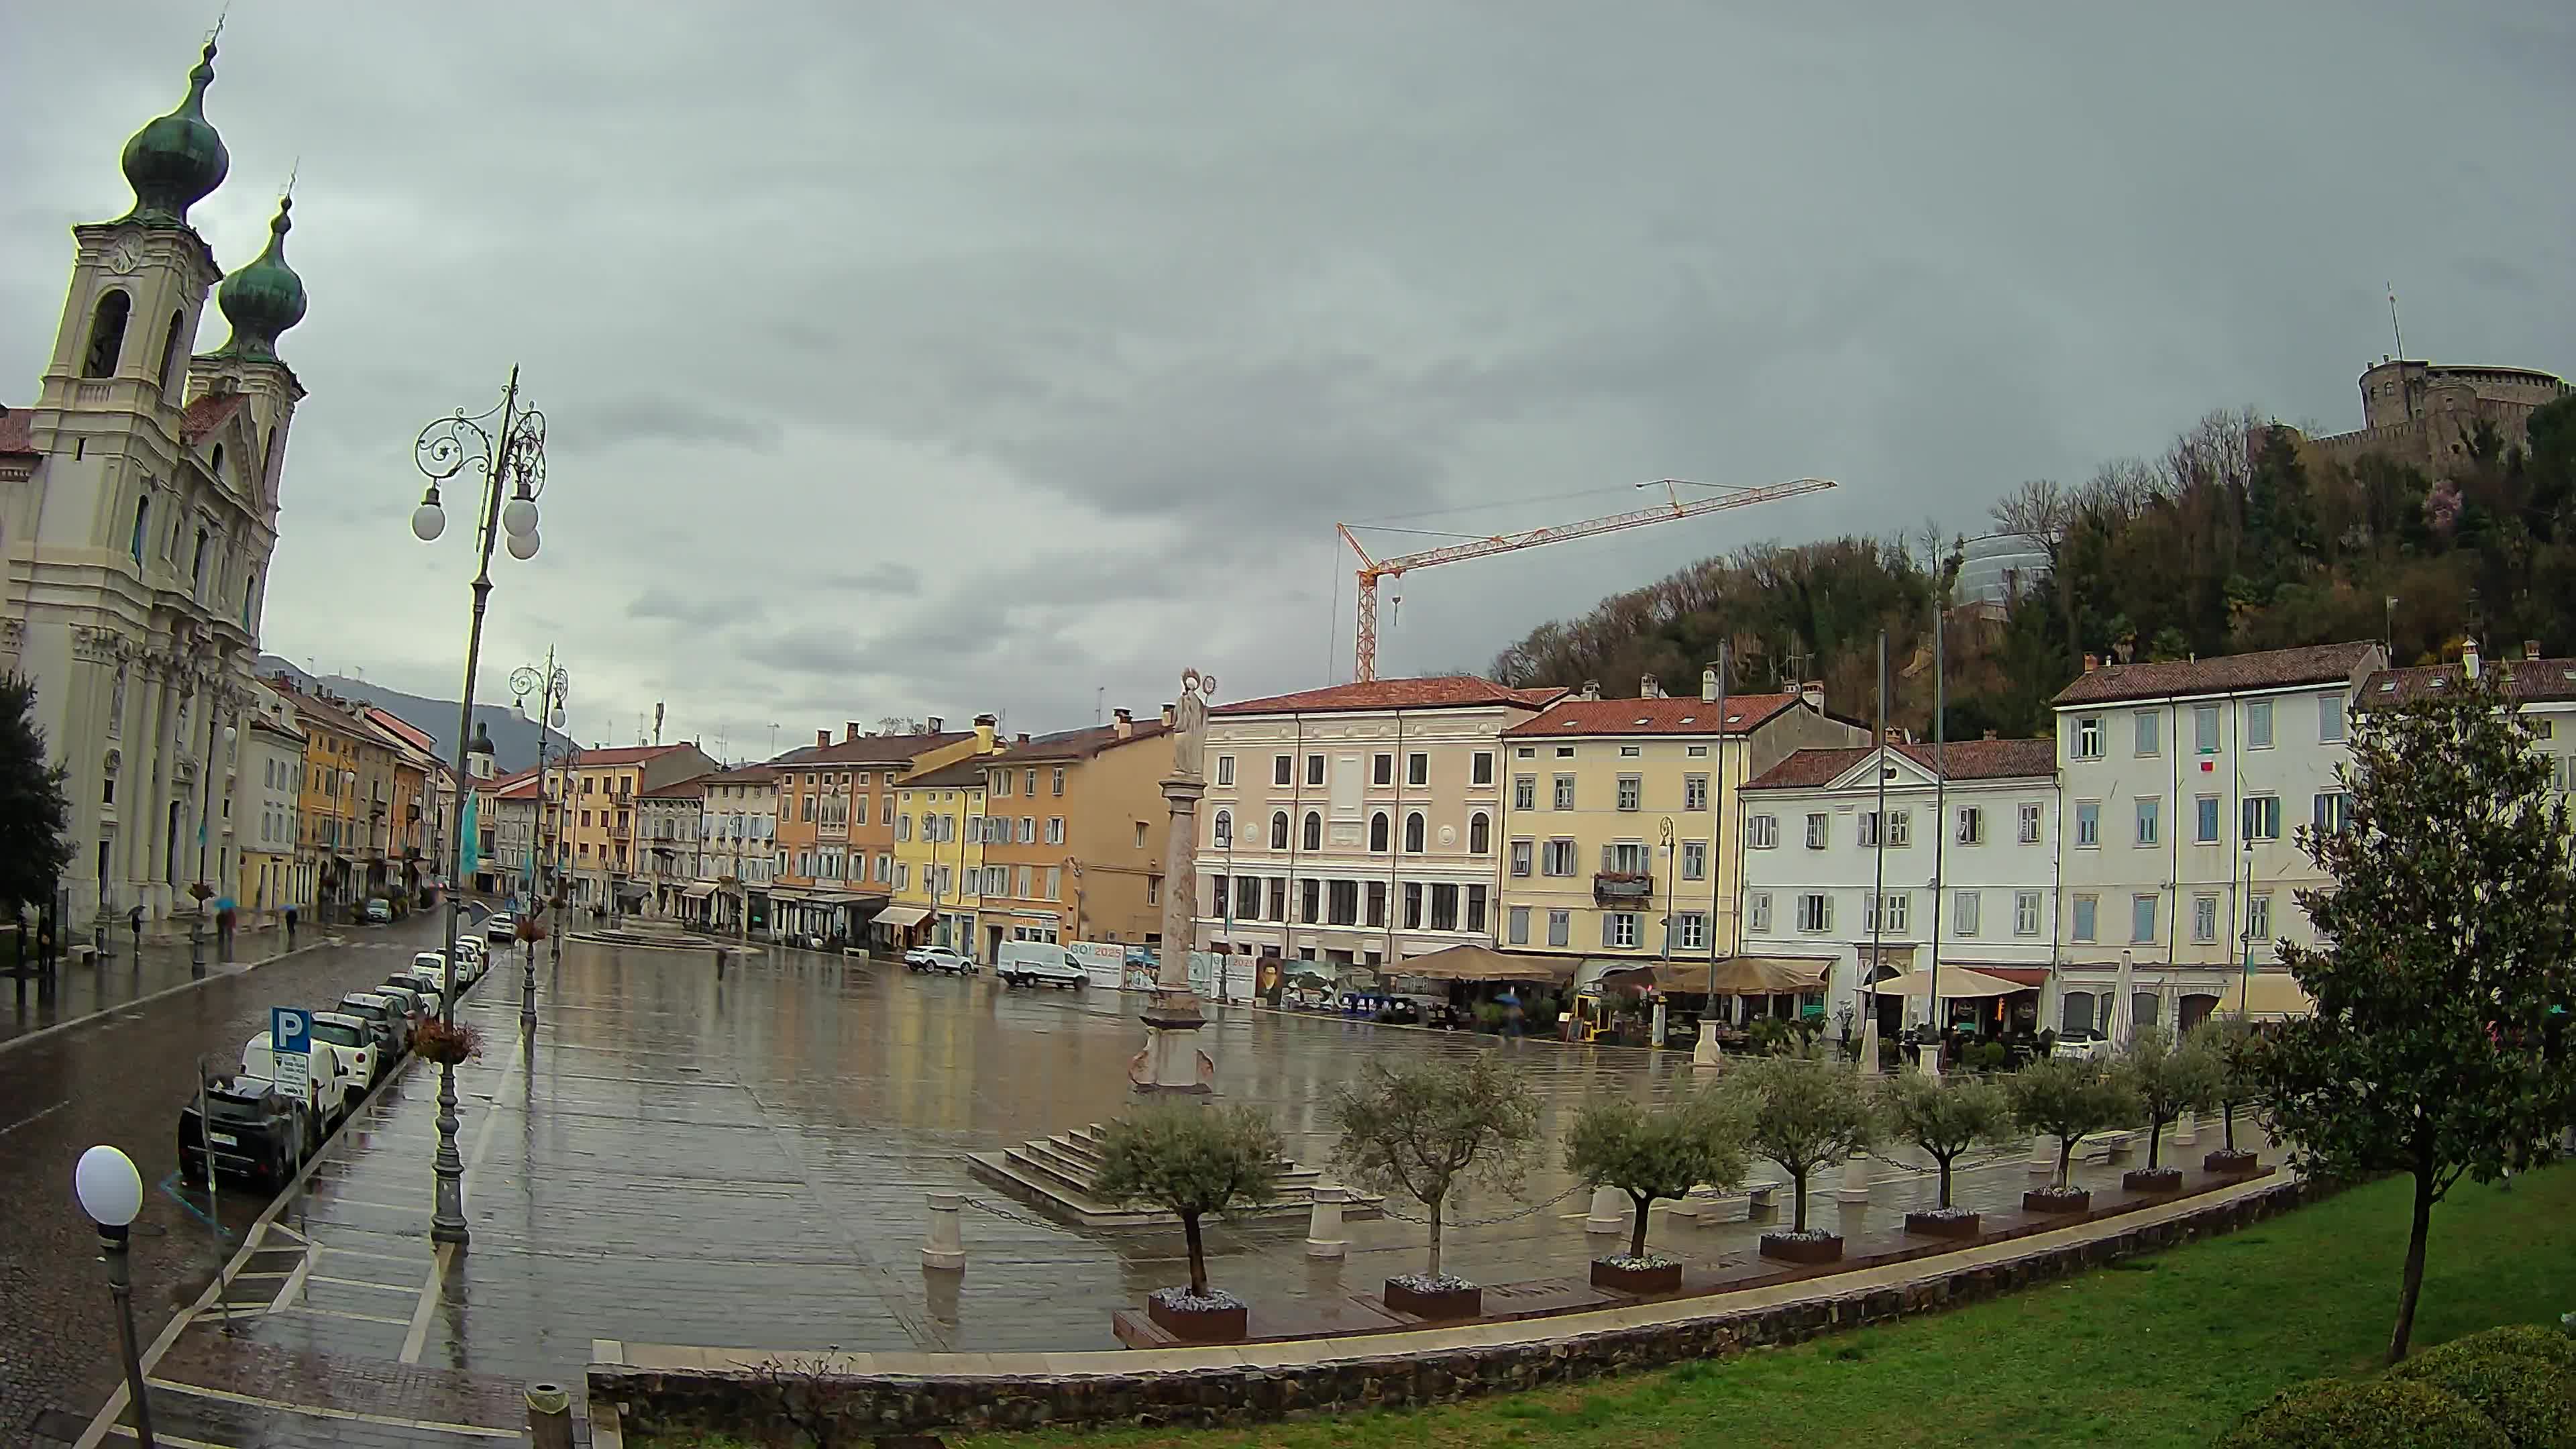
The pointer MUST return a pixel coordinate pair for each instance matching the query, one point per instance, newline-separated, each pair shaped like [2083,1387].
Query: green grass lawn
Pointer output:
[2164,1350]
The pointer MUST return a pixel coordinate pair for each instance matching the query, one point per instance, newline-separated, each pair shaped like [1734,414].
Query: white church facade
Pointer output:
[138,513]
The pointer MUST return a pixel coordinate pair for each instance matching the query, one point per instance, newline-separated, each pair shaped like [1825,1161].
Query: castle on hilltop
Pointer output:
[2426,413]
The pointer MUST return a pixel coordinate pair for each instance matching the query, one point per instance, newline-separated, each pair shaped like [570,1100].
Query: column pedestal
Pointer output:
[1171,1060]
[1856,1175]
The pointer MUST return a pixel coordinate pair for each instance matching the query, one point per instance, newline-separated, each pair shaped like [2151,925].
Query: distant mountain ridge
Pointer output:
[515,737]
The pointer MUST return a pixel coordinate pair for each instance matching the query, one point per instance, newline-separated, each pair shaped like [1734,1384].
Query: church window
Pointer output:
[217,468]
[107,334]
[197,566]
[142,515]
[170,351]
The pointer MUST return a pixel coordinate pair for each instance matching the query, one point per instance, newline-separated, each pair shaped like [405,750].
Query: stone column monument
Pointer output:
[1172,1060]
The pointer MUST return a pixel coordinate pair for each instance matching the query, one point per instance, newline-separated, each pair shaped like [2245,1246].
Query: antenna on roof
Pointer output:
[2393,329]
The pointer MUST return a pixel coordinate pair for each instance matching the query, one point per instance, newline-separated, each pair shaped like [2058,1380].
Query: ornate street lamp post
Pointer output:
[510,454]
[550,685]
[111,1192]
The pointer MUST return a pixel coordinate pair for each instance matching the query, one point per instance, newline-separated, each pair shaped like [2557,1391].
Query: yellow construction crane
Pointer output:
[1364,665]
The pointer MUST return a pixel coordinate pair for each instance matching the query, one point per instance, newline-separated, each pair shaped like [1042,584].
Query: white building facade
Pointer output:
[266,818]
[739,860]
[1296,785]
[1962,868]
[2183,785]
[670,843]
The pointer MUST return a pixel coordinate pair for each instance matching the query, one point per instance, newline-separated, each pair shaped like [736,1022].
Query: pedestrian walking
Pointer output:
[134,922]
[720,963]
[290,928]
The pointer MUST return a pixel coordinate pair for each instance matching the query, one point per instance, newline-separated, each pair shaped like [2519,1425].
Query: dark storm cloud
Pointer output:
[924,359]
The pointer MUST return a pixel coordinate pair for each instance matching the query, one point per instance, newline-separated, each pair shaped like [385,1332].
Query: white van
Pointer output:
[1038,963]
[332,1087]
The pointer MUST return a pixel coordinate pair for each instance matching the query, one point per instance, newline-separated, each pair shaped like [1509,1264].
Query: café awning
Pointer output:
[698,892]
[1762,975]
[1480,963]
[1957,983]
[2267,996]
[901,916]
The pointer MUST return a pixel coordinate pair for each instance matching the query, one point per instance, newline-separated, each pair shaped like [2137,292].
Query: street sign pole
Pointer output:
[290,1039]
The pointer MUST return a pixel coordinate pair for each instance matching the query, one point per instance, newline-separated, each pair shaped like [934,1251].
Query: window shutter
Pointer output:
[1606,859]
[1605,928]
[1829,913]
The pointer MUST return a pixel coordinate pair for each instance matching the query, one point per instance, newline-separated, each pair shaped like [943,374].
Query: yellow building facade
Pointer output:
[1620,827]
[939,853]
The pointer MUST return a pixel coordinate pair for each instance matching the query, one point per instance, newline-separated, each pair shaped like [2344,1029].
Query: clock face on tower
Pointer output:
[125,256]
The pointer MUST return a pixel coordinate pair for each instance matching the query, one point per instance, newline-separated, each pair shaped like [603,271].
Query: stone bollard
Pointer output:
[2043,1155]
[1856,1174]
[1324,1225]
[2187,1130]
[549,1416]
[945,1248]
[1610,1211]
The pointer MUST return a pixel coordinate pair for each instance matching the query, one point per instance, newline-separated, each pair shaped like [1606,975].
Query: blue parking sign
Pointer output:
[290,1029]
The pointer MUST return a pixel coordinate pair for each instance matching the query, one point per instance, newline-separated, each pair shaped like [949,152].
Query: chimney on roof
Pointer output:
[1990,734]
[985,725]
[1708,685]
[1895,735]
[1591,690]
[1123,721]
[2531,650]
[2092,662]
[849,730]
[931,726]
[1812,694]
[822,737]
[2469,659]
[1023,738]
[1649,687]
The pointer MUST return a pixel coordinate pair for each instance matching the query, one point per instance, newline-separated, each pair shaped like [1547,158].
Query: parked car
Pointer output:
[1038,963]
[431,966]
[380,912]
[940,958]
[499,927]
[250,1129]
[2081,1044]
[423,987]
[391,1022]
[471,959]
[330,1088]
[352,1040]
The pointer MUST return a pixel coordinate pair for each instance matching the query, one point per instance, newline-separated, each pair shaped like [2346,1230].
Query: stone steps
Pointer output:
[1060,1173]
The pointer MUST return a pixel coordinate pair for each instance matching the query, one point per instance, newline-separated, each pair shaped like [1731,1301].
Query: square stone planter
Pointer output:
[1221,1320]
[2152,1179]
[1660,1278]
[2055,1200]
[1790,1248]
[1464,1301]
[1942,1225]
[2234,1163]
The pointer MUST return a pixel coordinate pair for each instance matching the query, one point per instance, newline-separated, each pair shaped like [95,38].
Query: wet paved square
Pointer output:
[744,1164]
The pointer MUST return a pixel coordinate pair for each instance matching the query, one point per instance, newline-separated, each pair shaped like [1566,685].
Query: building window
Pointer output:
[2142,919]
[1382,769]
[1694,792]
[2204,729]
[1815,912]
[1417,769]
[1413,905]
[1564,799]
[1281,770]
[1560,927]
[2204,823]
[1525,792]
[1819,830]
[2150,819]
[1247,897]
[1694,860]
[107,334]
[1757,911]
[1225,769]
[2030,822]
[1894,905]
[1480,833]
[2258,724]
[1030,780]
[2262,817]
[1377,833]
[1314,832]
[1619,930]
[1565,752]
[1314,769]
[1631,792]
[1310,900]
[2086,909]
[1413,830]
[2088,822]
[1001,784]
[2333,811]
[2330,723]
[1762,832]
[1963,912]
[1222,833]
[2025,913]
[1279,830]
[142,515]
[1971,826]
[1481,768]
[2258,920]
[1522,850]
[1558,859]
[1278,898]
[2088,737]
[1342,903]
[1055,830]
[2149,741]
[2204,920]
[1516,926]
[1444,907]
[1376,903]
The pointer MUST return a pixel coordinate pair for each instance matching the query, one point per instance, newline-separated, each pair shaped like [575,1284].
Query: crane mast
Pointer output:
[1364,663]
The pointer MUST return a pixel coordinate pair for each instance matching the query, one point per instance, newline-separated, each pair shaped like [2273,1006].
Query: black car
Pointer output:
[253,1130]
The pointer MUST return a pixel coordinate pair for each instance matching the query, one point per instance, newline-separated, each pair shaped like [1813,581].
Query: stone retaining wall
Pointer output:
[744,1401]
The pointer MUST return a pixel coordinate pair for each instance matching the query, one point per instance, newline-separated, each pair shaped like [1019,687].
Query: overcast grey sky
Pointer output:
[931,358]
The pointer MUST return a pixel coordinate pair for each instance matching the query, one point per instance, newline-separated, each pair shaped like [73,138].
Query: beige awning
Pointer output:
[1763,975]
[1480,963]
[1957,983]
[697,892]
[900,916]
[2267,995]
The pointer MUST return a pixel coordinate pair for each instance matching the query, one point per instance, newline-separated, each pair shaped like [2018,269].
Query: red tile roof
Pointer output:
[2223,674]
[624,755]
[1079,744]
[693,788]
[1960,760]
[208,413]
[2528,680]
[742,775]
[1448,691]
[965,774]
[871,750]
[1566,717]
[17,431]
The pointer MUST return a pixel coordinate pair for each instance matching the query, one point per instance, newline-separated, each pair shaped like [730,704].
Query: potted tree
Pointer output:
[1191,1160]
[1421,1130]
[2232,1045]
[2065,1097]
[1650,1154]
[2165,1081]
[1944,1116]
[1805,1113]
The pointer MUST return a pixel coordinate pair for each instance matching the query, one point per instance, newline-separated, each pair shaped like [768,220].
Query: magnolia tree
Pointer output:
[1944,1116]
[1804,1112]
[2231,1044]
[2450,931]
[2165,1081]
[1658,1153]
[1423,1130]
[1190,1160]
[2065,1098]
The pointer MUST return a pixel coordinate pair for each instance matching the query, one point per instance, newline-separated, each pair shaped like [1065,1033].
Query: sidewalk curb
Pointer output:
[172,990]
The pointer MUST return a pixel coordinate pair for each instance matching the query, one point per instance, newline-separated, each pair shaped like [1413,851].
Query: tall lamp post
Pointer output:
[205,805]
[111,1192]
[550,686]
[510,454]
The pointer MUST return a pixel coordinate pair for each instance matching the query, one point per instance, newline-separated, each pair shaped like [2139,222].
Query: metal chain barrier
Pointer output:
[1516,1213]
[1007,1215]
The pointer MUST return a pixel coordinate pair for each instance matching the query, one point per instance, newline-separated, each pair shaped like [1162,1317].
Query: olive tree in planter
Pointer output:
[1806,1113]
[2065,1098]
[1945,1117]
[1423,1130]
[1191,1160]
[2232,1045]
[1648,1154]
[2165,1080]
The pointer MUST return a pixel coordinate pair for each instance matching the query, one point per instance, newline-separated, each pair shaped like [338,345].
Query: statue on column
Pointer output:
[1172,1060]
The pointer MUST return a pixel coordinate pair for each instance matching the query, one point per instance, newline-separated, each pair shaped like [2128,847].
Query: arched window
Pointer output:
[170,351]
[1224,830]
[197,564]
[216,467]
[107,335]
[1413,833]
[142,515]
[1480,833]
[1314,831]
[1377,832]
[1279,830]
